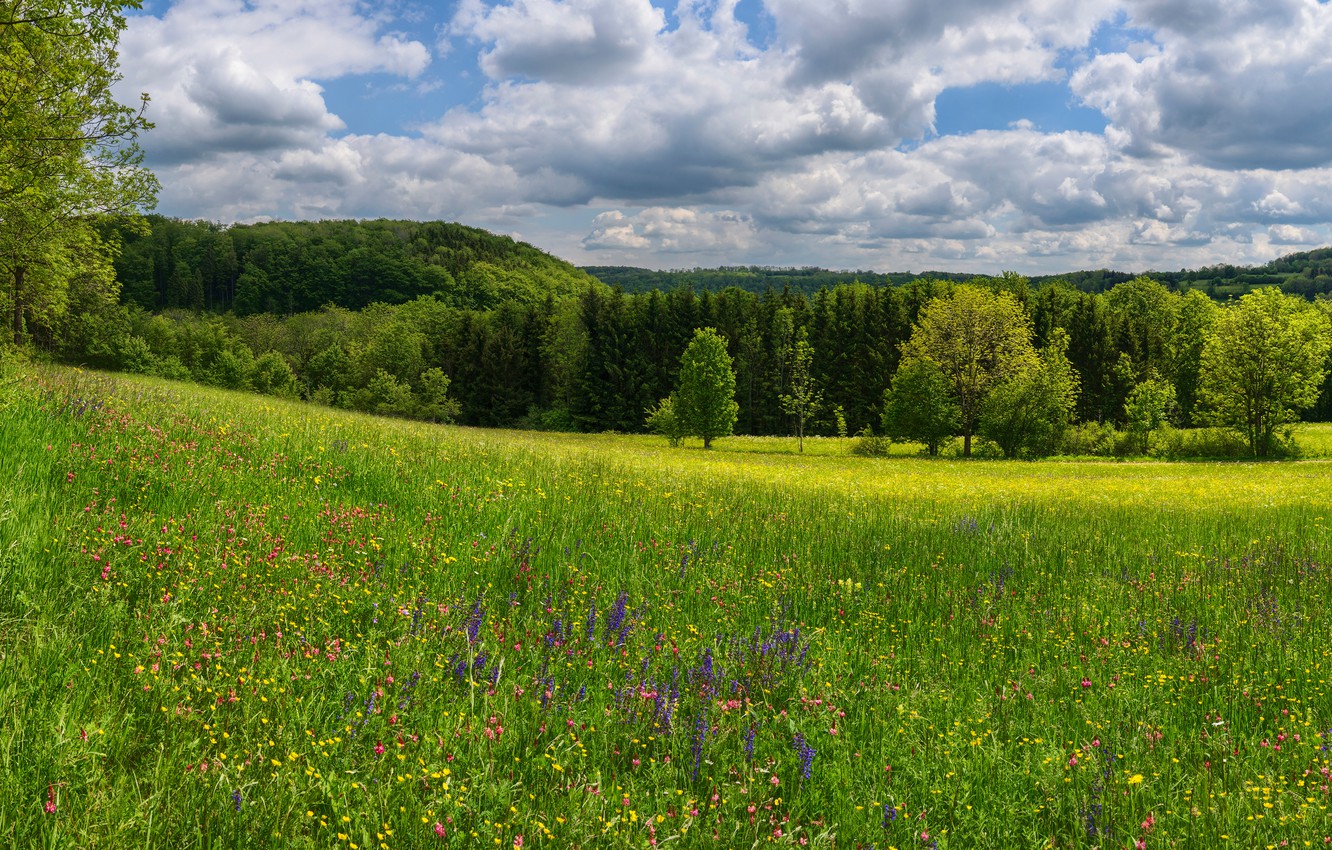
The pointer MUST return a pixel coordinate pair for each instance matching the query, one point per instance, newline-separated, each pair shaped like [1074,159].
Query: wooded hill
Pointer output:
[293,267]
[1306,274]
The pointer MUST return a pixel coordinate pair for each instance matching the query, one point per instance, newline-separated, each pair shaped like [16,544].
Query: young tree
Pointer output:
[977,338]
[1148,408]
[68,149]
[1262,363]
[661,419]
[804,399]
[705,402]
[919,405]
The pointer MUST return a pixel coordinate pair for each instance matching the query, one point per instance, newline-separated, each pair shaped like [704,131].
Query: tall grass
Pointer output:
[227,621]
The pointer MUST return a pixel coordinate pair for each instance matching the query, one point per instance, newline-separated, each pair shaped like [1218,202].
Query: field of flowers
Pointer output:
[228,621]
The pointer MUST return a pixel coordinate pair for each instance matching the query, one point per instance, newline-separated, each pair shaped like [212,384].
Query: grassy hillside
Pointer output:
[228,621]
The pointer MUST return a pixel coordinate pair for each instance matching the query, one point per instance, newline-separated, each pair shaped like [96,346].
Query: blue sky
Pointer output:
[984,135]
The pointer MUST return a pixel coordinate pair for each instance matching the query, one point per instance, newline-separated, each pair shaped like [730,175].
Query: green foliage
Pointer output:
[385,395]
[978,339]
[705,402]
[869,444]
[435,404]
[271,375]
[230,370]
[919,406]
[1172,443]
[804,398]
[68,149]
[293,267]
[1093,439]
[1028,412]
[1262,363]
[661,419]
[1148,408]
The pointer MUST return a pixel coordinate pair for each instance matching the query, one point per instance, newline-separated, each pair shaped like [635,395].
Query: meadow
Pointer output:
[230,621]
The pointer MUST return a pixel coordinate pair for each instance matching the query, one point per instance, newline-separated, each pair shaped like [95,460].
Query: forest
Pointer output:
[445,322]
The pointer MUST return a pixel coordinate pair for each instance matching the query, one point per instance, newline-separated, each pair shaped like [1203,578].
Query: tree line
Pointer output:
[602,360]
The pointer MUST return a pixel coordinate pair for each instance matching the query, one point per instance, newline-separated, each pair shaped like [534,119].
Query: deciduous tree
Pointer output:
[977,338]
[1263,362]
[919,405]
[705,402]
[804,398]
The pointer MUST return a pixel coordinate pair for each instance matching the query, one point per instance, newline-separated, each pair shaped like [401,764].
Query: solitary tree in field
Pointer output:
[705,403]
[805,398]
[1263,363]
[977,338]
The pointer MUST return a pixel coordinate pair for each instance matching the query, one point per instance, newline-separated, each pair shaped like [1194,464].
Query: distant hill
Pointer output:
[1308,273]
[291,267]
[806,281]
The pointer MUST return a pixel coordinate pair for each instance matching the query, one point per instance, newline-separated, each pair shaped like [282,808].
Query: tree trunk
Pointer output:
[966,444]
[19,273]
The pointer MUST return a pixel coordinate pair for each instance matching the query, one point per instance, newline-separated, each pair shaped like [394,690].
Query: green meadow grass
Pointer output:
[228,621]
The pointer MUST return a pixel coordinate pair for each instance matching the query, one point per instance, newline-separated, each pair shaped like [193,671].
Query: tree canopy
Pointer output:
[1263,362]
[68,148]
[705,402]
[977,338]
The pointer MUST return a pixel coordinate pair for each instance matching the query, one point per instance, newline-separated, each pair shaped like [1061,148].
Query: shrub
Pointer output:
[869,444]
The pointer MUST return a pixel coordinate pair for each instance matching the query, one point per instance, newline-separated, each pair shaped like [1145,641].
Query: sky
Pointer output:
[1035,136]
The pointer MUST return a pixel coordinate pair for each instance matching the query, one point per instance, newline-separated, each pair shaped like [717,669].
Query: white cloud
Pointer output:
[1238,85]
[613,131]
[1287,234]
[582,41]
[227,76]
[672,231]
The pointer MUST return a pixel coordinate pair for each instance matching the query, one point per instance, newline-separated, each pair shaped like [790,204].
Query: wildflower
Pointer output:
[379,748]
[236,799]
[1086,683]
[889,814]
[439,829]
[806,754]
[1135,779]
[50,800]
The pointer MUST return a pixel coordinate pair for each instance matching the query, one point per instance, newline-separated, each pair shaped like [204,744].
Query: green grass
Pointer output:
[235,622]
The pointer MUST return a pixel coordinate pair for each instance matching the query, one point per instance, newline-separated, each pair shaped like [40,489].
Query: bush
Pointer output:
[663,419]
[1092,439]
[171,368]
[229,370]
[869,444]
[136,356]
[386,396]
[1216,443]
[272,376]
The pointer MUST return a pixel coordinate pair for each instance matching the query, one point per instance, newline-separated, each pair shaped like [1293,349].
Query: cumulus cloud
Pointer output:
[228,76]
[672,231]
[582,41]
[613,130]
[1232,84]
[1287,234]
